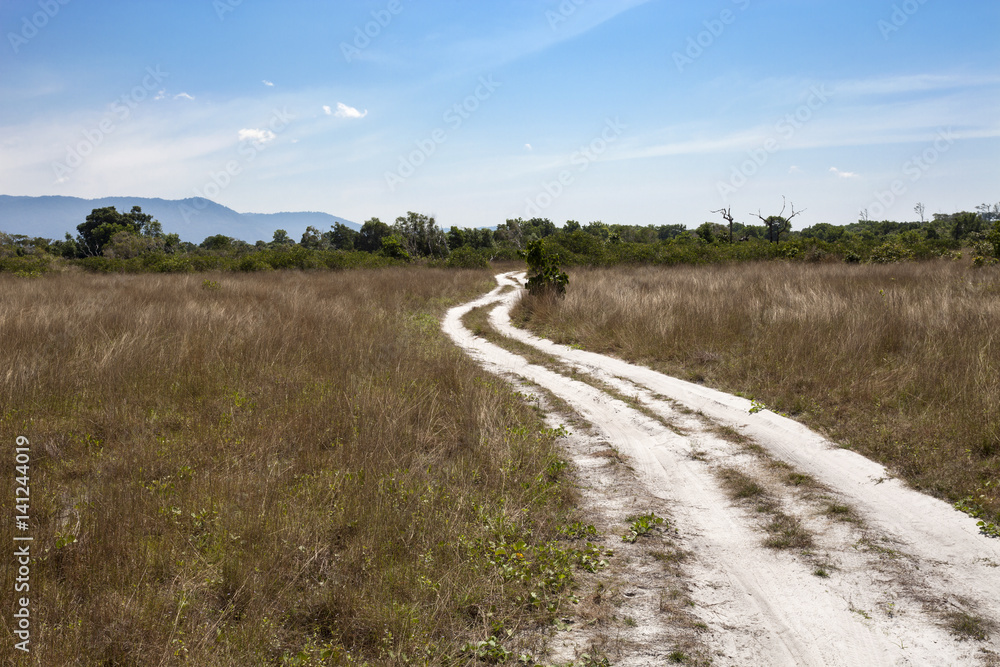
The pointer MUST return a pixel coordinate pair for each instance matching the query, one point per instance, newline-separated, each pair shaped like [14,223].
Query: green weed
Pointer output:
[643,524]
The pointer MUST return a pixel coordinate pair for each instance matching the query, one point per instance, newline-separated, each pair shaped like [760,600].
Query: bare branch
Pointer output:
[727,215]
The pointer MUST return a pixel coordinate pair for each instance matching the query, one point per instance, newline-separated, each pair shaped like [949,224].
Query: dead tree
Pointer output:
[776,224]
[727,215]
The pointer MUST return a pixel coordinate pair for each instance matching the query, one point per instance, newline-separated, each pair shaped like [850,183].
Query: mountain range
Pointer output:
[193,219]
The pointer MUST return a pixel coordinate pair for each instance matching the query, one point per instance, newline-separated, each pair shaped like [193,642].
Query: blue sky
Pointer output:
[632,112]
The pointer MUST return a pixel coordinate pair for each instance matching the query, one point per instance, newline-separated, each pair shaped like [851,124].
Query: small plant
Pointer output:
[578,531]
[641,525]
[490,651]
[210,285]
[976,511]
[756,406]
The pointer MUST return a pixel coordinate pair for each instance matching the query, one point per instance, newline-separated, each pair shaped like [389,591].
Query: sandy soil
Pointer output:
[883,588]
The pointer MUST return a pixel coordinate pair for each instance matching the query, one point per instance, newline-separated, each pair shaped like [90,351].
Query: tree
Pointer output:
[989,212]
[779,224]
[311,238]
[537,228]
[372,233]
[571,226]
[456,238]
[824,231]
[705,232]
[126,245]
[598,229]
[667,232]
[343,237]
[393,246]
[919,210]
[103,223]
[420,235]
[479,238]
[965,223]
[727,215]
[218,243]
[511,233]
[281,238]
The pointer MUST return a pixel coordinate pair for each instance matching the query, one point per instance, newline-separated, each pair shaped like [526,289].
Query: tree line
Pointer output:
[109,240]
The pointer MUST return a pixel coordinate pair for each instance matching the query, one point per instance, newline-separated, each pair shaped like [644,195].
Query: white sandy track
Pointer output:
[765,607]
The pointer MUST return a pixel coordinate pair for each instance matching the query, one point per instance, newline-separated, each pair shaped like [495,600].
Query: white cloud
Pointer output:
[843,174]
[184,96]
[344,111]
[327,110]
[268,83]
[528,146]
[259,137]
[795,169]
[160,95]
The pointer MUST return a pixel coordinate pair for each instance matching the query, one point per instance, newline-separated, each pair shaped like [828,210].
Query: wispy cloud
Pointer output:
[183,96]
[267,83]
[344,111]
[916,83]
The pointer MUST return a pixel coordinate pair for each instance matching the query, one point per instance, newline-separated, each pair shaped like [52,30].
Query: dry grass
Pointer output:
[783,531]
[899,362]
[274,469]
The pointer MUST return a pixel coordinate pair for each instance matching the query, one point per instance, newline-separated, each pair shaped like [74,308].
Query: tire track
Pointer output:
[762,606]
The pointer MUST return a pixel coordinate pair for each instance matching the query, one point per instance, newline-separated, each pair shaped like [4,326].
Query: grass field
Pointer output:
[276,468]
[899,362]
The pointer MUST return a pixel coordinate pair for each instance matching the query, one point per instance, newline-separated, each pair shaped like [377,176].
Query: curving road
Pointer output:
[896,577]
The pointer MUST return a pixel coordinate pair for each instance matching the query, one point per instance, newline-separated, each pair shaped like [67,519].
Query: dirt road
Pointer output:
[886,576]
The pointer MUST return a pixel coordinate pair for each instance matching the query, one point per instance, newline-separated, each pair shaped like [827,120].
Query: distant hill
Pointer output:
[192,219]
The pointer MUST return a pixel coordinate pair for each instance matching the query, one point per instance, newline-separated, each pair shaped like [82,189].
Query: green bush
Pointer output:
[546,278]
[466,258]
[253,262]
[890,252]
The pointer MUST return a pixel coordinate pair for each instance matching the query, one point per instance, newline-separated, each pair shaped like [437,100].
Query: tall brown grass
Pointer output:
[900,362]
[283,468]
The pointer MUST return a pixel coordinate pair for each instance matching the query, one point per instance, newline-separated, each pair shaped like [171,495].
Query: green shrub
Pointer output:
[890,252]
[253,263]
[466,258]
[546,278]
